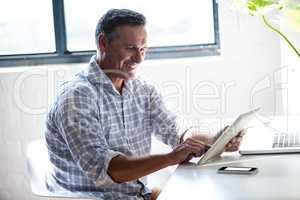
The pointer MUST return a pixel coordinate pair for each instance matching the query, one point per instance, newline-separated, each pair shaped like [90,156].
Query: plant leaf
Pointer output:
[261,3]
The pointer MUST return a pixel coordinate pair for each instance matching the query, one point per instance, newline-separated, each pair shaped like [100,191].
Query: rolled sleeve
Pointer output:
[104,178]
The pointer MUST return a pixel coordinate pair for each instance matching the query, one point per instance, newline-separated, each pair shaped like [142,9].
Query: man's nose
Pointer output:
[139,56]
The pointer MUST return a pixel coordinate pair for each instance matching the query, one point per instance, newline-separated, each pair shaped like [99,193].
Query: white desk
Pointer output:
[278,178]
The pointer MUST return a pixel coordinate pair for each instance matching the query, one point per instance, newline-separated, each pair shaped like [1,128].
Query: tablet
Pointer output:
[244,121]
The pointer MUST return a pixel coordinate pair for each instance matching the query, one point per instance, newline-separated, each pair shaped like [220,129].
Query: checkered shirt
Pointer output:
[90,122]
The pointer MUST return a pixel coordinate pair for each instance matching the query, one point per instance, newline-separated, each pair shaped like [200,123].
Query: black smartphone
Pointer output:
[237,170]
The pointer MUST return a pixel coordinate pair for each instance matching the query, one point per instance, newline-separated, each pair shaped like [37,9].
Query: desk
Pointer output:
[278,178]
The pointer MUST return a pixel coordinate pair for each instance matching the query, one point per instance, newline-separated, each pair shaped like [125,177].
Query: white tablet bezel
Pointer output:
[244,121]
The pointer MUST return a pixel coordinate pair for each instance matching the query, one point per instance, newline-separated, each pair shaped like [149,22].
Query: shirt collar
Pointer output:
[96,76]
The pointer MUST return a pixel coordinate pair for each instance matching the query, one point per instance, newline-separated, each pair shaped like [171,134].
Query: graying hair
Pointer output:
[115,18]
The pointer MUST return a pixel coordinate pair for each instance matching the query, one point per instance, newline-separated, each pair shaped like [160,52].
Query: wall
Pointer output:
[291,67]
[197,88]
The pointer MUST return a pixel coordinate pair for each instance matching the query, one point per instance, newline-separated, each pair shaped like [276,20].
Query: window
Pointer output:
[60,31]
[16,37]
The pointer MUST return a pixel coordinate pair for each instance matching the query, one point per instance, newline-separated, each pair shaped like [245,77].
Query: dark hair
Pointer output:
[115,18]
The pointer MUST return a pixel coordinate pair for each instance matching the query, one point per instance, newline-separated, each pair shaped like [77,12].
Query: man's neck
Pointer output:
[117,82]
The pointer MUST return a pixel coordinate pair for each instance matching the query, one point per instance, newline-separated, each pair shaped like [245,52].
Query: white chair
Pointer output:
[37,164]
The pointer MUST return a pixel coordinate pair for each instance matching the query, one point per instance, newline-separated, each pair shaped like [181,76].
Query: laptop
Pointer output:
[264,139]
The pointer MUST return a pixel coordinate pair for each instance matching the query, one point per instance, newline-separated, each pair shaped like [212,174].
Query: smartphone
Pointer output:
[237,170]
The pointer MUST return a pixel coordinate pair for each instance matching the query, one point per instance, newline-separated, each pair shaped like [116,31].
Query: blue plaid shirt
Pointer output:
[90,122]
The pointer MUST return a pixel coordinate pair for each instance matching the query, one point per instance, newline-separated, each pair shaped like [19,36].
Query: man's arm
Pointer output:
[125,168]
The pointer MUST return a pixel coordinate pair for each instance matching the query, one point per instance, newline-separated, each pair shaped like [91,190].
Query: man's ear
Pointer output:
[102,42]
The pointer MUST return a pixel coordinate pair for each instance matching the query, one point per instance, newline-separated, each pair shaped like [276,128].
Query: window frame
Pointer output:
[62,55]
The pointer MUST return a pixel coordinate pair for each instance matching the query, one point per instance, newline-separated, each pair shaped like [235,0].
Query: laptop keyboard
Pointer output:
[282,140]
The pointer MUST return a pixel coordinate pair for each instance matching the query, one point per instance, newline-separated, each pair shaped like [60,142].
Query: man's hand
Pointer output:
[188,149]
[234,143]
[195,135]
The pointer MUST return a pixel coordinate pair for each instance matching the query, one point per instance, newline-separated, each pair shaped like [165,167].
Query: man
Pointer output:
[99,128]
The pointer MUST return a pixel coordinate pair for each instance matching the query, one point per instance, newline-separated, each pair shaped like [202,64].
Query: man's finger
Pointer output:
[241,133]
[226,127]
[194,148]
[193,141]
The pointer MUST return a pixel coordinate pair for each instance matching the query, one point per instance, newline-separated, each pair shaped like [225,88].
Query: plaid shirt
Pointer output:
[90,122]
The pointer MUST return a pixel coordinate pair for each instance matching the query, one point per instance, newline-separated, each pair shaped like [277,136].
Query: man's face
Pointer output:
[122,54]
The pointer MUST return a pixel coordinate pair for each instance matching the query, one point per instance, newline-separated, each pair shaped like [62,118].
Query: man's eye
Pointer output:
[130,48]
[142,50]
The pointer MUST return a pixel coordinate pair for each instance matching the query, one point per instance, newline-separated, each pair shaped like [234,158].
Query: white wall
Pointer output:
[250,54]
[247,70]
[291,66]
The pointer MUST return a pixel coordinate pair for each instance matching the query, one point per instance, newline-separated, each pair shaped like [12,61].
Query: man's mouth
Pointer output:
[131,66]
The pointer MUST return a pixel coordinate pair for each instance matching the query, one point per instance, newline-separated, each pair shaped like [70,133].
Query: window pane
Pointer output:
[170,22]
[26,27]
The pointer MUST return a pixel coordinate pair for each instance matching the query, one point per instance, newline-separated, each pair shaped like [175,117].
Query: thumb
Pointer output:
[222,131]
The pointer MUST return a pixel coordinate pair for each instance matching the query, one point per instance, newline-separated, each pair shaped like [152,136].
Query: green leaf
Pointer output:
[261,3]
[251,6]
[259,6]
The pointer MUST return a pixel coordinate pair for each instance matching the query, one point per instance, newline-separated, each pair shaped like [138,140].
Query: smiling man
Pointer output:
[120,54]
[100,126]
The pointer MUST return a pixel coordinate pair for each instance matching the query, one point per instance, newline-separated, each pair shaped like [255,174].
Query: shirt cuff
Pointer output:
[174,141]
[104,178]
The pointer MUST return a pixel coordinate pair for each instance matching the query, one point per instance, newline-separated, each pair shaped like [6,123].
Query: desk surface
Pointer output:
[278,177]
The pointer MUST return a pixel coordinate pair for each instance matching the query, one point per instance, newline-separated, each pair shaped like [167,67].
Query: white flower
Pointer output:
[259,7]
[290,8]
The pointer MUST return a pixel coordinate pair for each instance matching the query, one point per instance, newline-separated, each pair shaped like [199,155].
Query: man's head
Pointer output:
[115,18]
[121,40]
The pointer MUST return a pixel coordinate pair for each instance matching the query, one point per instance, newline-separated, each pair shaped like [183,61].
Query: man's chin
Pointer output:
[131,76]
[124,75]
